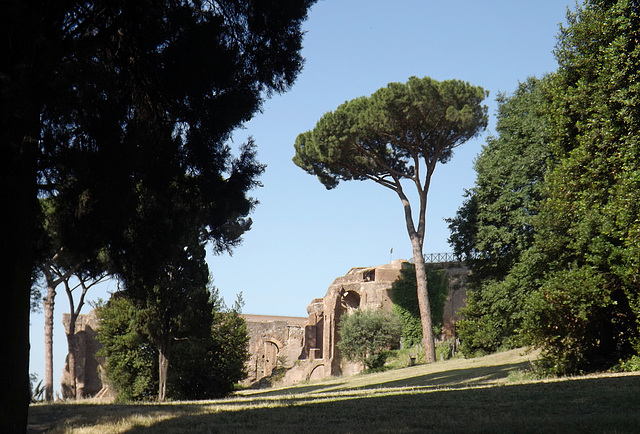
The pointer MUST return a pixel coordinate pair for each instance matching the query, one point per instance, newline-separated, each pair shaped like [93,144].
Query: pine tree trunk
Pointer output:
[163,369]
[48,304]
[417,242]
[71,356]
[423,303]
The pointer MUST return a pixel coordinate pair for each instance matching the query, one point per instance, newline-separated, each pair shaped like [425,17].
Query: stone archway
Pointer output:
[317,373]
[350,300]
[270,351]
[345,300]
[270,358]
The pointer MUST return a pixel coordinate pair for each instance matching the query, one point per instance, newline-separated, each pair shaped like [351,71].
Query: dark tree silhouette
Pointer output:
[104,102]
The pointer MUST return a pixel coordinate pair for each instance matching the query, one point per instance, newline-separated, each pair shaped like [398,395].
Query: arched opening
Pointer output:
[270,357]
[350,300]
[317,373]
[347,302]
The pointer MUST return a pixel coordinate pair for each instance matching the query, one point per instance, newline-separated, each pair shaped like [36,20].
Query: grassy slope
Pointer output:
[455,396]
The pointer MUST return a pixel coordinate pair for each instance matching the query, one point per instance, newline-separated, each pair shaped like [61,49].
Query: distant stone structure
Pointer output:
[275,341]
[313,354]
[88,367]
[295,348]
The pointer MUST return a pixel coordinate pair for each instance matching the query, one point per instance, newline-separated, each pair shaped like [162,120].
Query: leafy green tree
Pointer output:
[405,302]
[170,284]
[586,309]
[397,134]
[205,363]
[367,336]
[210,367]
[175,308]
[131,358]
[495,224]
[99,99]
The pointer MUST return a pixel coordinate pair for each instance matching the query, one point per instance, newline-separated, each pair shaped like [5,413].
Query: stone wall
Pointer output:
[456,300]
[367,288]
[88,367]
[303,347]
[275,341]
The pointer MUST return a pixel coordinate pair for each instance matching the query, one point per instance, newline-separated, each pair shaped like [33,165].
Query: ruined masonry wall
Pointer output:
[305,346]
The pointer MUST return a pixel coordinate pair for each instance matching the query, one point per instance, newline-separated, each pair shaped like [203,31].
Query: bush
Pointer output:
[369,336]
[201,367]
[581,322]
[210,367]
[132,361]
[630,365]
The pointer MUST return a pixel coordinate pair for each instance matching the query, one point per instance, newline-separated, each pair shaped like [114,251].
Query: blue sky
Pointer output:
[303,235]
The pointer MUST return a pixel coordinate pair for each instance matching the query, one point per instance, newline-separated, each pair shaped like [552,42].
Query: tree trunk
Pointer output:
[417,242]
[48,304]
[423,303]
[77,391]
[71,355]
[18,212]
[163,368]
[16,254]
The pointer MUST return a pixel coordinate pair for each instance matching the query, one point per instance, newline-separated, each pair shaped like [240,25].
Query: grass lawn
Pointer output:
[460,395]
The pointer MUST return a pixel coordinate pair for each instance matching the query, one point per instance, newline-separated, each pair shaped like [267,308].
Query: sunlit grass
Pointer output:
[489,394]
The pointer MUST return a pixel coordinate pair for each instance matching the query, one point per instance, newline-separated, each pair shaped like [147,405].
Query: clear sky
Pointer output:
[304,236]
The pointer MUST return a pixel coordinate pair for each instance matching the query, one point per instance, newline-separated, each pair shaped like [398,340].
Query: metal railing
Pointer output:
[436,258]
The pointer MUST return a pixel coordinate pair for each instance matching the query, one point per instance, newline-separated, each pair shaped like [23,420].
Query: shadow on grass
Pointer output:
[456,377]
[582,405]
[294,390]
[450,378]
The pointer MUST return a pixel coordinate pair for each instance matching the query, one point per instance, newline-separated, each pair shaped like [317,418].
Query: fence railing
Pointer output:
[436,258]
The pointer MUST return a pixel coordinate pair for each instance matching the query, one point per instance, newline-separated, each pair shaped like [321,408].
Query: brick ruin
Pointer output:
[88,366]
[306,347]
[288,350]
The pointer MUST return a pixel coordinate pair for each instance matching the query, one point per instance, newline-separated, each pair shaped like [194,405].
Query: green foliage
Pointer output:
[406,356]
[495,225]
[174,301]
[382,137]
[445,350]
[405,302]
[131,358]
[368,336]
[209,367]
[630,365]
[204,368]
[552,228]
[585,311]
[204,364]
[495,312]
[571,315]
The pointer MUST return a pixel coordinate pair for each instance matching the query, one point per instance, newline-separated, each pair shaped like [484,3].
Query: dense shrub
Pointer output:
[201,367]
[368,336]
